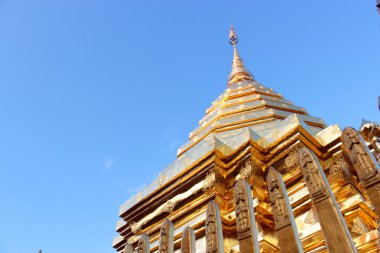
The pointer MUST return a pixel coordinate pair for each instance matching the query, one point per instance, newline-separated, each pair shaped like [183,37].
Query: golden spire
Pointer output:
[239,72]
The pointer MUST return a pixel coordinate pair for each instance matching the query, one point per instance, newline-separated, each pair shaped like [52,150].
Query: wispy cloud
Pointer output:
[108,163]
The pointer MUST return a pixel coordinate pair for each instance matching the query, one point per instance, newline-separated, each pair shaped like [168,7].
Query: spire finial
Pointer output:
[239,72]
[233,37]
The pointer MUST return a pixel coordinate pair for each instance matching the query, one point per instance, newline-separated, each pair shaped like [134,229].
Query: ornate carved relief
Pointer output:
[245,218]
[314,180]
[242,212]
[188,240]
[214,235]
[209,181]
[285,226]
[360,157]
[166,237]
[143,245]
[277,199]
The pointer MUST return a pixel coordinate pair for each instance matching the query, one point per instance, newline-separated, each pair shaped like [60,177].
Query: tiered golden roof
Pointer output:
[246,130]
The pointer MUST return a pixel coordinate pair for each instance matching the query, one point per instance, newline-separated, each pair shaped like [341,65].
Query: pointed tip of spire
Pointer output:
[239,72]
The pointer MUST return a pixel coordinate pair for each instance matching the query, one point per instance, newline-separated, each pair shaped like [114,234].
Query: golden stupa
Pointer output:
[259,174]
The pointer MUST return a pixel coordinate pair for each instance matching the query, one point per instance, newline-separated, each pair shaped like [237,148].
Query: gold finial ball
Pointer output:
[233,37]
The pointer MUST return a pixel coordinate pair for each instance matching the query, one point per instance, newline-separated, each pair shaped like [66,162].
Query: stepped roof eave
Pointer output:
[227,142]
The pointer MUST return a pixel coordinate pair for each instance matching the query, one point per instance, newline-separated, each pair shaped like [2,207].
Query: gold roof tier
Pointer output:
[246,111]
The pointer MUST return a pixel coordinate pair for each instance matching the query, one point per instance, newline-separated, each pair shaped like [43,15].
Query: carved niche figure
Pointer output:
[276,198]
[163,240]
[211,233]
[242,215]
[166,237]
[214,235]
[143,244]
[310,171]
[358,154]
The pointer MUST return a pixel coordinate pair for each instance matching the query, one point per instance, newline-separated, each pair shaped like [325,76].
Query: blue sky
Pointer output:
[96,96]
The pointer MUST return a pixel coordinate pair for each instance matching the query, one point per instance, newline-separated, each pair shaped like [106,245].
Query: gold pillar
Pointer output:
[214,231]
[166,237]
[245,218]
[285,226]
[143,245]
[188,240]
[364,163]
[337,236]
